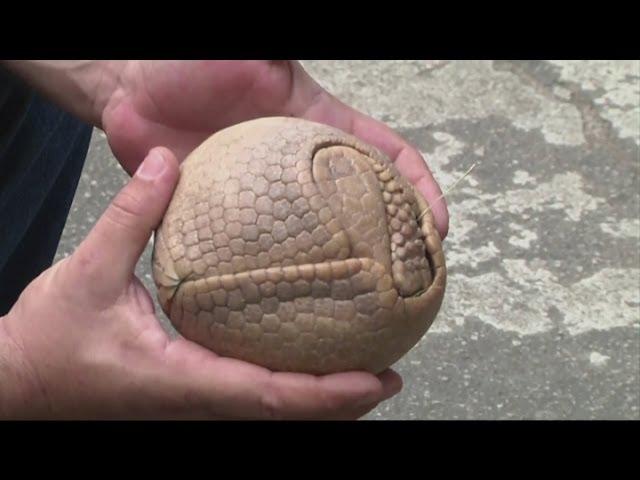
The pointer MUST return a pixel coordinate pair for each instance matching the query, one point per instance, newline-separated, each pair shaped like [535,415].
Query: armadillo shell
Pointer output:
[295,246]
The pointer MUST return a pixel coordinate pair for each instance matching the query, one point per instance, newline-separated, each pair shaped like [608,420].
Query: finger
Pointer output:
[337,396]
[111,250]
[391,383]
[229,388]
[311,101]
[409,162]
[406,157]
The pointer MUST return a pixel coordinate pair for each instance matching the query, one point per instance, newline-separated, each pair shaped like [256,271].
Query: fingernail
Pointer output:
[393,391]
[152,166]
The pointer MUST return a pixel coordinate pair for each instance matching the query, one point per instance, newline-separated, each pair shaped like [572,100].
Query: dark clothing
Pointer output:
[42,152]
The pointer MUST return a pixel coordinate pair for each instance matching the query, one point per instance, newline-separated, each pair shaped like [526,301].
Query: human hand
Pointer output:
[141,104]
[83,340]
[181,103]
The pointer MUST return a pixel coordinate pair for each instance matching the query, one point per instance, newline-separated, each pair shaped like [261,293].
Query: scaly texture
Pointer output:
[295,246]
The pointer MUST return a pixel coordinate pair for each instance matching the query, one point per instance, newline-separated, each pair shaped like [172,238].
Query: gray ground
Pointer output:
[542,313]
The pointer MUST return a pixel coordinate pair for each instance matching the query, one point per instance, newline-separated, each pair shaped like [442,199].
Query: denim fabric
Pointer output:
[42,152]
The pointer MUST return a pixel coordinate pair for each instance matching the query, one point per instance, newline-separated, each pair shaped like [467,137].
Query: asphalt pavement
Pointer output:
[541,318]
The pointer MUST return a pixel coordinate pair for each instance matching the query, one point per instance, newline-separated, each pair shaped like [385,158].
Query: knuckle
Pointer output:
[126,210]
[271,402]
[330,402]
[82,278]
[83,264]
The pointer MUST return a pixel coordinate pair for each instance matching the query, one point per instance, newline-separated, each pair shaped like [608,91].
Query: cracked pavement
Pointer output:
[541,318]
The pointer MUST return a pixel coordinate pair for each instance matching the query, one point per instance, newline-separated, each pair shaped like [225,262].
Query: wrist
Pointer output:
[82,87]
[18,388]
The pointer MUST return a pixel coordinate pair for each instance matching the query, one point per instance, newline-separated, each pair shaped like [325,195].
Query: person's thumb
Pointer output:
[111,250]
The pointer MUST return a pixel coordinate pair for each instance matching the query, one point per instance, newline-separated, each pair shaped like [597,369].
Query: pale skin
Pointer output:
[83,340]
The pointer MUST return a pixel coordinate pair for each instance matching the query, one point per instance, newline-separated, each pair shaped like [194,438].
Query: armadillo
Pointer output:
[298,247]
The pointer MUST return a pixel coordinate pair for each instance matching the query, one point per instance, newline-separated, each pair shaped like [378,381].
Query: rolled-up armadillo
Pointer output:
[295,246]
